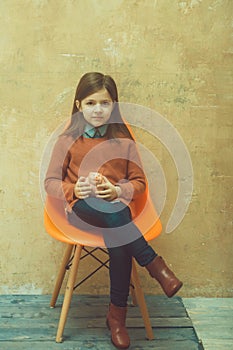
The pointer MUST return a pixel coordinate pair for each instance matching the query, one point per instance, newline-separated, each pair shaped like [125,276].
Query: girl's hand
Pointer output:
[106,190]
[82,188]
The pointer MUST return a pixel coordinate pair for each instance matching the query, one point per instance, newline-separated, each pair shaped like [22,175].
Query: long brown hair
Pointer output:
[89,84]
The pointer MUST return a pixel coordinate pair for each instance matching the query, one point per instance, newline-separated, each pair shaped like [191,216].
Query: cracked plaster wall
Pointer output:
[174,57]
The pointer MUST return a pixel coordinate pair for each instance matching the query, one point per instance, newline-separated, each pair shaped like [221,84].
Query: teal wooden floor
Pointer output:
[213,321]
[27,322]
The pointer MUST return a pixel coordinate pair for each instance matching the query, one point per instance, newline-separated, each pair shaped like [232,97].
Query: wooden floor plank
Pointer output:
[43,334]
[84,308]
[174,322]
[38,300]
[88,345]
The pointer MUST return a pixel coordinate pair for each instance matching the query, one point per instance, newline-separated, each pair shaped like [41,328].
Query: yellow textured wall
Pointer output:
[172,56]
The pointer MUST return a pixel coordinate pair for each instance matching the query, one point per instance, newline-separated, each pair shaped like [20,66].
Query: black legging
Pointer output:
[122,238]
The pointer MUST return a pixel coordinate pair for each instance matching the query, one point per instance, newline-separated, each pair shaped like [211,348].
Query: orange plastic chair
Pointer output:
[57,225]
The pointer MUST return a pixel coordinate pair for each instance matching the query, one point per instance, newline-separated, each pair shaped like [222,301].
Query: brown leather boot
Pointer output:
[167,279]
[116,323]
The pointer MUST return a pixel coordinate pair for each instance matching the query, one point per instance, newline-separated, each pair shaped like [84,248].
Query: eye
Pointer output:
[90,103]
[106,103]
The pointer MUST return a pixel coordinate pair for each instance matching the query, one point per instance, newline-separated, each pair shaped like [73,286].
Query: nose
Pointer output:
[98,107]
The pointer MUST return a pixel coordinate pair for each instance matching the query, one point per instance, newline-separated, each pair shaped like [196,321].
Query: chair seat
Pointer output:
[57,225]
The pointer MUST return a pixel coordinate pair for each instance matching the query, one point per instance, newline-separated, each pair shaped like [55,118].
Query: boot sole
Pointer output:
[178,287]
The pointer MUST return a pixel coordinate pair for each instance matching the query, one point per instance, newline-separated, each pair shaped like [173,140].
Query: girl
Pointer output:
[96,169]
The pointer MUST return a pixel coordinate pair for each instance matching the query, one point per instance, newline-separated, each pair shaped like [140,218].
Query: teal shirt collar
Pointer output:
[91,132]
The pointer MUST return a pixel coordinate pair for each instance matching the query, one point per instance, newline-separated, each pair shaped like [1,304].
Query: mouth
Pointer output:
[97,118]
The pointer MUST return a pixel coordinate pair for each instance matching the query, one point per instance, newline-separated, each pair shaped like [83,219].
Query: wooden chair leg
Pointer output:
[61,275]
[68,292]
[141,301]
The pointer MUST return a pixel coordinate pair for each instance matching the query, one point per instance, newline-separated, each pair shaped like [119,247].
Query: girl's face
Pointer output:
[96,108]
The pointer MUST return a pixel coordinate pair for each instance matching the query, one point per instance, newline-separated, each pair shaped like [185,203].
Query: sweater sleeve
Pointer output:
[135,183]
[55,184]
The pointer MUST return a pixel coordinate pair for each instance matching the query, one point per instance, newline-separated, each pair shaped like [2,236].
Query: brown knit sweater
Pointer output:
[118,160]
